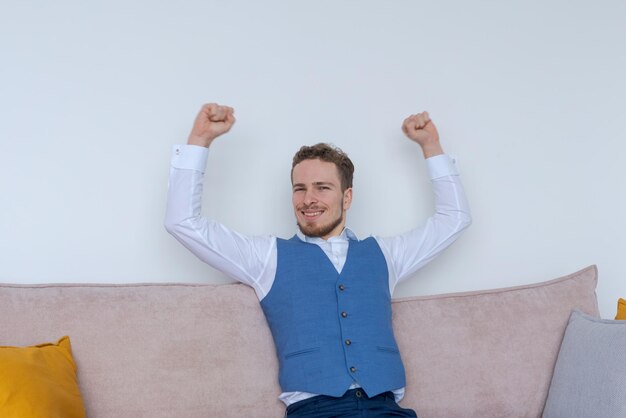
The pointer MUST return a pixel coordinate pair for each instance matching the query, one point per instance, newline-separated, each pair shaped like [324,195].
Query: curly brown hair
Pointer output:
[330,154]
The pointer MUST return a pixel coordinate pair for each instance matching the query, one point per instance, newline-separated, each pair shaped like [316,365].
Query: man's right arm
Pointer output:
[244,258]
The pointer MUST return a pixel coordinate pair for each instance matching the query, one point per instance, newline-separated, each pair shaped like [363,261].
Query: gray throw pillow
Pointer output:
[590,374]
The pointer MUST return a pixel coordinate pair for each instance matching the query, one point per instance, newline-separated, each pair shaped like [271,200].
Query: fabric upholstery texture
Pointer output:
[487,353]
[154,350]
[39,382]
[194,350]
[590,373]
[621,309]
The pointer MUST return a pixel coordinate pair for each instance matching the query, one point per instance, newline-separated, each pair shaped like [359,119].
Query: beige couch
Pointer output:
[189,350]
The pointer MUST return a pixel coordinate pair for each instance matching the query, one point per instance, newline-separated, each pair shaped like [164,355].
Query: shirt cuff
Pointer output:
[190,157]
[441,166]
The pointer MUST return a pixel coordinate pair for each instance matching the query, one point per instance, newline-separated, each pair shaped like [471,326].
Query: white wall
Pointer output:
[529,96]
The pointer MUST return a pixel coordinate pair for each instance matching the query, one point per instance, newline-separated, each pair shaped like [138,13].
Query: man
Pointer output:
[325,293]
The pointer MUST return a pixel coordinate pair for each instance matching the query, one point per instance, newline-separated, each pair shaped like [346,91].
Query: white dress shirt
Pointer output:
[252,259]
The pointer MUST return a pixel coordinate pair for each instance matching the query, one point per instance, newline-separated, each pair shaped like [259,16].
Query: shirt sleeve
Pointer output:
[410,251]
[246,259]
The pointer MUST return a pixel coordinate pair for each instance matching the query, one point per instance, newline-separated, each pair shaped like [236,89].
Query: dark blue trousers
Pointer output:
[354,404]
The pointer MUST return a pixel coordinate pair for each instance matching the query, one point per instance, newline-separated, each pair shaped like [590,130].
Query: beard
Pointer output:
[321,230]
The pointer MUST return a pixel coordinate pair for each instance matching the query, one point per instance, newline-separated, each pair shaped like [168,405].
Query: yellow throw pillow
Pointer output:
[621,309]
[39,381]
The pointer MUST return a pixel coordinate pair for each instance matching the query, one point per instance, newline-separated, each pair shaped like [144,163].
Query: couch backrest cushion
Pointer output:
[192,350]
[154,350]
[488,353]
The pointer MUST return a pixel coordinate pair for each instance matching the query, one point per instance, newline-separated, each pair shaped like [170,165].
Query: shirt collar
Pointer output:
[345,235]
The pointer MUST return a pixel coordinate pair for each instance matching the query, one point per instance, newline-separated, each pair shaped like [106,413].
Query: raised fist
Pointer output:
[212,121]
[422,130]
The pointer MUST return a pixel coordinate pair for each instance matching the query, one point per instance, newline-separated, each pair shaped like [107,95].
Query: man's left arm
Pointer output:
[410,251]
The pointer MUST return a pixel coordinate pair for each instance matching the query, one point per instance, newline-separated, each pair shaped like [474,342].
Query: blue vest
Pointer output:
[331,329]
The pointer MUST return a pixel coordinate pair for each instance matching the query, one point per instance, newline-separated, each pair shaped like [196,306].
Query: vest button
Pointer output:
[344,314]
[353,369]
[342,287]
[348,342]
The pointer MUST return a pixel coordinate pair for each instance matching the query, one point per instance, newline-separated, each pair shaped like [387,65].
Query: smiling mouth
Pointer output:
[312,214]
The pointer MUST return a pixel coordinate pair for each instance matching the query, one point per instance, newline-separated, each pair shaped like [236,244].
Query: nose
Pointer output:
[310,197]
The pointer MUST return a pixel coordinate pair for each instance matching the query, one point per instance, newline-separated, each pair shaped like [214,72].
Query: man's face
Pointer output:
[318,202]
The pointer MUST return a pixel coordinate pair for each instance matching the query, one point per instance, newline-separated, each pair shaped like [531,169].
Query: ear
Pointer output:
[347,199]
